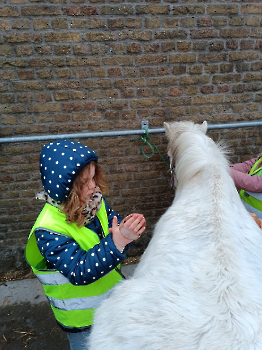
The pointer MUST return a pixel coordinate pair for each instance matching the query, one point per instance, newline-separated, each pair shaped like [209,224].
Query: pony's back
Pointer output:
[198,285]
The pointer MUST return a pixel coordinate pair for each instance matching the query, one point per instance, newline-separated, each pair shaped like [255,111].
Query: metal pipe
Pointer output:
[118,133]
[234,125]
[71,136]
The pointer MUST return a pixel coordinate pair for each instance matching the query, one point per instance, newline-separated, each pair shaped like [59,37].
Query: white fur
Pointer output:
[198,285]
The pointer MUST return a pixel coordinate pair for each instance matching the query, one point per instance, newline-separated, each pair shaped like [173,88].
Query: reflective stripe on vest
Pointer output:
[73,305]
[50,279]
[79,303]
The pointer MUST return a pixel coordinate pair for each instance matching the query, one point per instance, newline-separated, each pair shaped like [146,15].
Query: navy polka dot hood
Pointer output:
[60,162]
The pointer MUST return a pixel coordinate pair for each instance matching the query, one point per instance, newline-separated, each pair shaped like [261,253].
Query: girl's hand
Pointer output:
[132,226]
[130,229]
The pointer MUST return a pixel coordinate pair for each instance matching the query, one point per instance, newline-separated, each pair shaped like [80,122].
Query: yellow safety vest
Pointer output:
[73,305]
[246,196]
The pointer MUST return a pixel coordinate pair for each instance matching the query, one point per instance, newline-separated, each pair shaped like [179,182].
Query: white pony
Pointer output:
[198,285]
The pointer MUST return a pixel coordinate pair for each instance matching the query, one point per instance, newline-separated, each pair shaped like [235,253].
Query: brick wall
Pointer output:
[101,65]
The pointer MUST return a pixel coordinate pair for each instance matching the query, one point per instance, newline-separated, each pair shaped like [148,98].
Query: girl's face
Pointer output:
[89,182]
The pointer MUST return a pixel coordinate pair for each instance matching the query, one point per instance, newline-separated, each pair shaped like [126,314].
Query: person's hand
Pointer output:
[130,229]
[132,226]
[258,222]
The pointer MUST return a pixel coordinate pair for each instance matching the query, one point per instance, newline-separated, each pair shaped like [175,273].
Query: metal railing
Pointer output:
[144,129]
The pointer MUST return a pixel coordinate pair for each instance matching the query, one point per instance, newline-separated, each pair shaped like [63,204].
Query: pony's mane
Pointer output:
[194,152]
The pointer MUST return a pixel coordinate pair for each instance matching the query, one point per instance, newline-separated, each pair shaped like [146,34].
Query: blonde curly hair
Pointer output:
[74,205]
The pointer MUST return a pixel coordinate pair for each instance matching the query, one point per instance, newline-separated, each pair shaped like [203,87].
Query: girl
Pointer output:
[78,242]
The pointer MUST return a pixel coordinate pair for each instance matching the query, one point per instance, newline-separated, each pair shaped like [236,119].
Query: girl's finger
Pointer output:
[139,224]
[139,232]
[135,221]
[114,223]
[131,218]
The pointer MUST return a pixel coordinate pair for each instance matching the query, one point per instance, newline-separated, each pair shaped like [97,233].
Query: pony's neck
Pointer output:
[212,182]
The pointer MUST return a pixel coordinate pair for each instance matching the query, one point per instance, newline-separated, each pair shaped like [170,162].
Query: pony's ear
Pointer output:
[167,129]
[203,127]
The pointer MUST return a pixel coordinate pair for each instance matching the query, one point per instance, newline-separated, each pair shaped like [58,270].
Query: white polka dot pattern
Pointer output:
[60,162]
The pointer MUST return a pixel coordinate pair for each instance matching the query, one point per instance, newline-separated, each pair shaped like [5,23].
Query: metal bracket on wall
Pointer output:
[144,125]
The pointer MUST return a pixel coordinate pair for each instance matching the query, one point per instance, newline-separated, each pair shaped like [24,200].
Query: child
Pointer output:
[248,180]
[78,241]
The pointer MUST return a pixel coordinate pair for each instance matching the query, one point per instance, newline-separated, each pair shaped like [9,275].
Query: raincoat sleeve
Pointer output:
[79,266]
